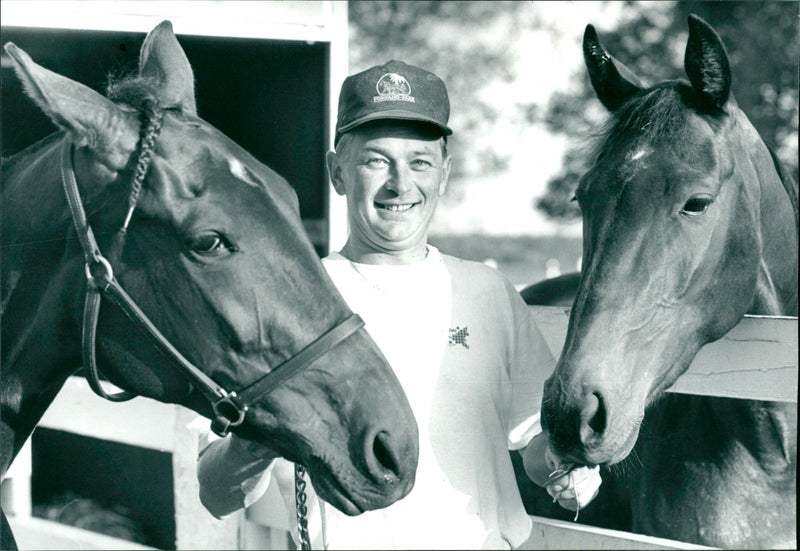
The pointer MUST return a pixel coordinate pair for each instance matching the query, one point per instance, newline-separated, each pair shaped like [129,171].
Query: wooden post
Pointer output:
[16,490]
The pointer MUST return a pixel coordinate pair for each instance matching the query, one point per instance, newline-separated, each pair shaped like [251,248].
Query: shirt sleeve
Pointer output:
[531,364]
[230,477]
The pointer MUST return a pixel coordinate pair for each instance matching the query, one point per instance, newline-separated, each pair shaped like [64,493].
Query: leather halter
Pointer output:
[229,408]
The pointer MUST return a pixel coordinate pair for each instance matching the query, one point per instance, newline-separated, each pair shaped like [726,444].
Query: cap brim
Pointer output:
[395,114]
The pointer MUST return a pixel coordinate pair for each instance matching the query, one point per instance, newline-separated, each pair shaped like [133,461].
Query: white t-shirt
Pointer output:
[472,363]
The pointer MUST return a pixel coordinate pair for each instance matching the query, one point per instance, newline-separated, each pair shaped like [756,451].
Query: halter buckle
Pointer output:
[227,414]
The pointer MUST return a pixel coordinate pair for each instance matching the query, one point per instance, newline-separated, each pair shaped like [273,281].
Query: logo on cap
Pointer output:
[393,87]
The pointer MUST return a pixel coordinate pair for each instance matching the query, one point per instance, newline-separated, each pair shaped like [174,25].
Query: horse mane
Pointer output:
[141,93]
[658,114]
[12,160]
[654,115]
[132,90]
[789,184]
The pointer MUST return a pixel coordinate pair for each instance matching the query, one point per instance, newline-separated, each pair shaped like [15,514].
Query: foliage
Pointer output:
[454,39]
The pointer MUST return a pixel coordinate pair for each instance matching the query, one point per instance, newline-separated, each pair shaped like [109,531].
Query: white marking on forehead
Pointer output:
[639,153]
[240,171]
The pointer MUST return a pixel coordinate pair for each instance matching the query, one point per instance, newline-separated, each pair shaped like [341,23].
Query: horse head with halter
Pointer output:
[216,298]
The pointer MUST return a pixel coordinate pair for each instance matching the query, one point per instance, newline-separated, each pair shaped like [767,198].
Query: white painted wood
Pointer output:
[558,534]
[278,20]
[15,491]
[140,422]
[757,359]
[339,67]
[36,534]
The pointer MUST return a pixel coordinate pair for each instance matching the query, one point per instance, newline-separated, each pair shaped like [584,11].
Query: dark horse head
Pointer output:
[687,226]
[216,258]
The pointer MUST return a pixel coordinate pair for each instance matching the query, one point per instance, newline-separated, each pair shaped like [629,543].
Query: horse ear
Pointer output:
[91,119]
[706,63]
[612,81]
[163,59]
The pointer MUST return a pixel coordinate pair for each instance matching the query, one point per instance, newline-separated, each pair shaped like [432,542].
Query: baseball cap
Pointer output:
[394,90]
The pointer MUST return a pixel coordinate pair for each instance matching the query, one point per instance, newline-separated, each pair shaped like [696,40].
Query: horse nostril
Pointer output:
[594,418]
[388,465]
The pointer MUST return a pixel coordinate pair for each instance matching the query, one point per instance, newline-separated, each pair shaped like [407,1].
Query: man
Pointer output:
[459,337]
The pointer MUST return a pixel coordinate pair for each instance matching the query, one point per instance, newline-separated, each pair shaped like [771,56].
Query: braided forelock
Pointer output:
[152,118]
[141,93]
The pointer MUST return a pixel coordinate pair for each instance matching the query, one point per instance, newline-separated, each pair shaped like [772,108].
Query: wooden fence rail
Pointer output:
[756,360]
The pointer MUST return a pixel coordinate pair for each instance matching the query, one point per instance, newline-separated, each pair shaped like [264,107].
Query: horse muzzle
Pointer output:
[585,425]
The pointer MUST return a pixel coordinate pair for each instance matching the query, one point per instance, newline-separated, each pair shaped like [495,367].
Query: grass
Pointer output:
[522,259]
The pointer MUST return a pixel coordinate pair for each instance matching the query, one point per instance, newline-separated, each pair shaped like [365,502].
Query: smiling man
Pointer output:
[392,174]
[457,334]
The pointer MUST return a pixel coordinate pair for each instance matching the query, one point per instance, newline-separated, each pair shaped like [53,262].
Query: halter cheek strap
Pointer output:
[229,408]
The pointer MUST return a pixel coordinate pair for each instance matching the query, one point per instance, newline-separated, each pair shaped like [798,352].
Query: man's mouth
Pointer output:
[394,208]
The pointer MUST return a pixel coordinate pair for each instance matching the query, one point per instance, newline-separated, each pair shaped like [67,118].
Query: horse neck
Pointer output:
[766,430]
[777,282]
[40,289]
[776,288]
[33,200]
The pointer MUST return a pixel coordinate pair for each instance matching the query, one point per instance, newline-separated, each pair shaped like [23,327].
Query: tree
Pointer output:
[457,41]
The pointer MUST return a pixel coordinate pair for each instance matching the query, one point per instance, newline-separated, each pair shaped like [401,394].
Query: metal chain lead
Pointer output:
[300,504]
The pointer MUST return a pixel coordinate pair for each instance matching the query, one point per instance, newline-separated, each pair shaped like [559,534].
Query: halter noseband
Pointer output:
[229,408]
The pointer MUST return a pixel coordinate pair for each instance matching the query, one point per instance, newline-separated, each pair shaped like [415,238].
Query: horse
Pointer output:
[553,291]
[215,298]
[609,509]
[689,223]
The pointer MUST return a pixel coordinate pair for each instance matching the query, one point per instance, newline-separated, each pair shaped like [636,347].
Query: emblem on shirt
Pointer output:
[458,335]
[393,87]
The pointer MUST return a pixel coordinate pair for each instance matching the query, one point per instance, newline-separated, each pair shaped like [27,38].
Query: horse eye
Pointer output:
[211,244]
[697,205]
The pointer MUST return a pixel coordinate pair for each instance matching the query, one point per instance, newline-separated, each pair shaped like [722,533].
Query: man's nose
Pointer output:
[401,179]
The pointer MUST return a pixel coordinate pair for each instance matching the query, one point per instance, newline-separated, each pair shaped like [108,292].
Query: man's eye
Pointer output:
[421,164]
[376,162]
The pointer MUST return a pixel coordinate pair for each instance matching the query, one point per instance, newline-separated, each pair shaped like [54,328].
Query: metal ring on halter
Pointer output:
[232,415]
[105,263]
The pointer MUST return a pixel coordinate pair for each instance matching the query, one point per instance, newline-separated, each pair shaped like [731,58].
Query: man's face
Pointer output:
[392,175]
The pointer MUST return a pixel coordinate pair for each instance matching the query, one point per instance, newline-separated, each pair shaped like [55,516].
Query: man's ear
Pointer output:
[335,171]
[445,175]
